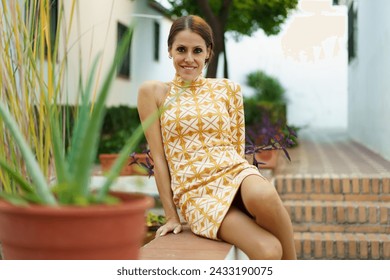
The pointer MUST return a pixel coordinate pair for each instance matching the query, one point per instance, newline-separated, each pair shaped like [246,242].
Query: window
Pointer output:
[124,66]
[33,9]
[156,41]
[53,25]
[352,32]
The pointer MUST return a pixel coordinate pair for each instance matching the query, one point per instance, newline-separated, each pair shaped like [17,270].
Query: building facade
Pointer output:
[97,29]
[368,73]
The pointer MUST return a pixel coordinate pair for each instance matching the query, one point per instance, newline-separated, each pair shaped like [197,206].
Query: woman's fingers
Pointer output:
[177,229]
[163,230]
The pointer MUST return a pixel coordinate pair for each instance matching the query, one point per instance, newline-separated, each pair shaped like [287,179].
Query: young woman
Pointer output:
[197,146]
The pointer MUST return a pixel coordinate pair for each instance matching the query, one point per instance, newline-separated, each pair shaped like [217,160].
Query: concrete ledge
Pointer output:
[188,246]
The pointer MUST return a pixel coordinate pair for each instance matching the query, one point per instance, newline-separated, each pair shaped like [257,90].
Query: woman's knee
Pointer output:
[268,249]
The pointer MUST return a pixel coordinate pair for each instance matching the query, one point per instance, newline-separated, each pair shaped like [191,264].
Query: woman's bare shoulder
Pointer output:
[150,87]
[155,90]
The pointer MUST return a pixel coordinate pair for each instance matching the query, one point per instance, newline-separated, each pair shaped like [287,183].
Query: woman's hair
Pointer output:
[197,25]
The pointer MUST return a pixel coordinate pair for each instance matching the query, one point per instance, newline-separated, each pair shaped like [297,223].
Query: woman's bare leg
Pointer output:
[262,201]
[242,231]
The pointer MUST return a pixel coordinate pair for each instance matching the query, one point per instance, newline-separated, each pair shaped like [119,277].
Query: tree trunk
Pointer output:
[213,65]
[225,61]
[217,24]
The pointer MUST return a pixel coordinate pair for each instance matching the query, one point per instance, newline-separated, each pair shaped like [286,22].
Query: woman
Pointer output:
[198,152]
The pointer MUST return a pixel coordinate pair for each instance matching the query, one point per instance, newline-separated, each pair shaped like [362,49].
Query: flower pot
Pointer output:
[107,160]
[268,158]
[103,232]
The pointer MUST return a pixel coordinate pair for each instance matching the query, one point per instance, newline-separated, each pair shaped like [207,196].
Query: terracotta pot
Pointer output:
[107,160]
[103,232]
[269,158]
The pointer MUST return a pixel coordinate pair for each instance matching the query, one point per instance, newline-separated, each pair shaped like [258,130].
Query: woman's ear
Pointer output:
[208,54]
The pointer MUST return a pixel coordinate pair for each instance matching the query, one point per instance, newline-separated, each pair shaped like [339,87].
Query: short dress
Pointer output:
[203,133]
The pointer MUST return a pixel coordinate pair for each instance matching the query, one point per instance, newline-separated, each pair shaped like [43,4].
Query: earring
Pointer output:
[170,57]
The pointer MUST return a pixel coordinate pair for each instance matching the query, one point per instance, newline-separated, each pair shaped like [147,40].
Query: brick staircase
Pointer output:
[338,216]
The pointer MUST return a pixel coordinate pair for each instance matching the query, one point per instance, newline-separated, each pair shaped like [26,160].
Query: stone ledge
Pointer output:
[188,246]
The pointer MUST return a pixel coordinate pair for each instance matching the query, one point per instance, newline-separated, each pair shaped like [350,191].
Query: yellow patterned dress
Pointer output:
[203,132]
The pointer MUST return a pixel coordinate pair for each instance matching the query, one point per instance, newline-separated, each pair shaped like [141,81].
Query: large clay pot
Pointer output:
[68,232]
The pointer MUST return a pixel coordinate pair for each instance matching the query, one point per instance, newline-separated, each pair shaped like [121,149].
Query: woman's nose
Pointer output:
[189,57]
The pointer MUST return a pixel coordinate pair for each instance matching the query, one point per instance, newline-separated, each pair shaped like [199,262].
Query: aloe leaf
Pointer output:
[61,166]
[84,158]
[80,128]
[26,186]
[13,199]
[123,155]
[32,165]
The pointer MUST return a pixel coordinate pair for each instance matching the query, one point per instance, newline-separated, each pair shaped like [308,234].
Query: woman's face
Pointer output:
[189,53]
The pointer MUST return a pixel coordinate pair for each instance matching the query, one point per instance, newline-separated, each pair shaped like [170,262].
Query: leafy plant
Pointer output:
[267,88]
[147,166]
[119,124]
[267,136]
[49,173]
[154,220]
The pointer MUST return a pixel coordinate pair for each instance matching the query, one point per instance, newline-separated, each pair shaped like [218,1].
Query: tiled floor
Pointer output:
[331,152]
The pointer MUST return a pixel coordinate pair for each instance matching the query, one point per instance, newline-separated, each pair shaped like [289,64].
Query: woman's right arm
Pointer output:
[150,96]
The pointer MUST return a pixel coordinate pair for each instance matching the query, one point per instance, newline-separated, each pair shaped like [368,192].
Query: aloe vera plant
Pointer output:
[25,173]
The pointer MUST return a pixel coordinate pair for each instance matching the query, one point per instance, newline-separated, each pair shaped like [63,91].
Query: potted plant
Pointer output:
[48,209]
[264,141]
[266,120]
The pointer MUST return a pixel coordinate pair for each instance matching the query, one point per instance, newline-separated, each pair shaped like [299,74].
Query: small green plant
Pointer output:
[267,88]
[154,220]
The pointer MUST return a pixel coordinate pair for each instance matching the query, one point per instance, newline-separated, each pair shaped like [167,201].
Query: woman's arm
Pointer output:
[150,97]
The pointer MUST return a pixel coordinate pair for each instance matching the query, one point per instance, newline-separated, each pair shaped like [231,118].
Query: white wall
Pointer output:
[369,82]
[309,57]
[95,32]
[144,66]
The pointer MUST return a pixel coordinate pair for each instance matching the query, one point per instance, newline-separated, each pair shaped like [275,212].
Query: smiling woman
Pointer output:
[198,147]
[190,48]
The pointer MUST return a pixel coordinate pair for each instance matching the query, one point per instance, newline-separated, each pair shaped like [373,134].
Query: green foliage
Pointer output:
[267,88]
[245,17]
[69,143]
[255,111]
[119,124]
[266,110]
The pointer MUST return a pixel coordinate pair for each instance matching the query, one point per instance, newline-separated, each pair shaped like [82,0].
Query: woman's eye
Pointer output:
[180,49]
[198,50]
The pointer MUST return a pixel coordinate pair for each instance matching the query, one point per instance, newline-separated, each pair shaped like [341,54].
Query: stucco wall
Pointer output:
[95,33]
[369,82]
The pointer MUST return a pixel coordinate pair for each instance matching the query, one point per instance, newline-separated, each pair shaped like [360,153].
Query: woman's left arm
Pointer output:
[237,118]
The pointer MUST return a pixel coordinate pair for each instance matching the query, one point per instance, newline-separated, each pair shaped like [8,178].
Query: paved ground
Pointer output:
[323,152]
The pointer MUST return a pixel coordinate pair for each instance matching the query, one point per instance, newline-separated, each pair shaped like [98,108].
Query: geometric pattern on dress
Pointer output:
[203,130]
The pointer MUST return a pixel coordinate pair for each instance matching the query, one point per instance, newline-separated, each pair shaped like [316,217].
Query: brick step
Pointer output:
[342,216]
[330,245]
[333,187]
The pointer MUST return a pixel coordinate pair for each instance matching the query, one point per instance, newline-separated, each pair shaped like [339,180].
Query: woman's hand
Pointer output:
[172,225]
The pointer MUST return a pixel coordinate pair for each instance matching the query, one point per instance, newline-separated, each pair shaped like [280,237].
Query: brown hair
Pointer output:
[197,25]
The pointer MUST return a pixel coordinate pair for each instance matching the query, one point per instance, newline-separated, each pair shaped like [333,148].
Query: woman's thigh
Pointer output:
[259,197]
[242,231]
